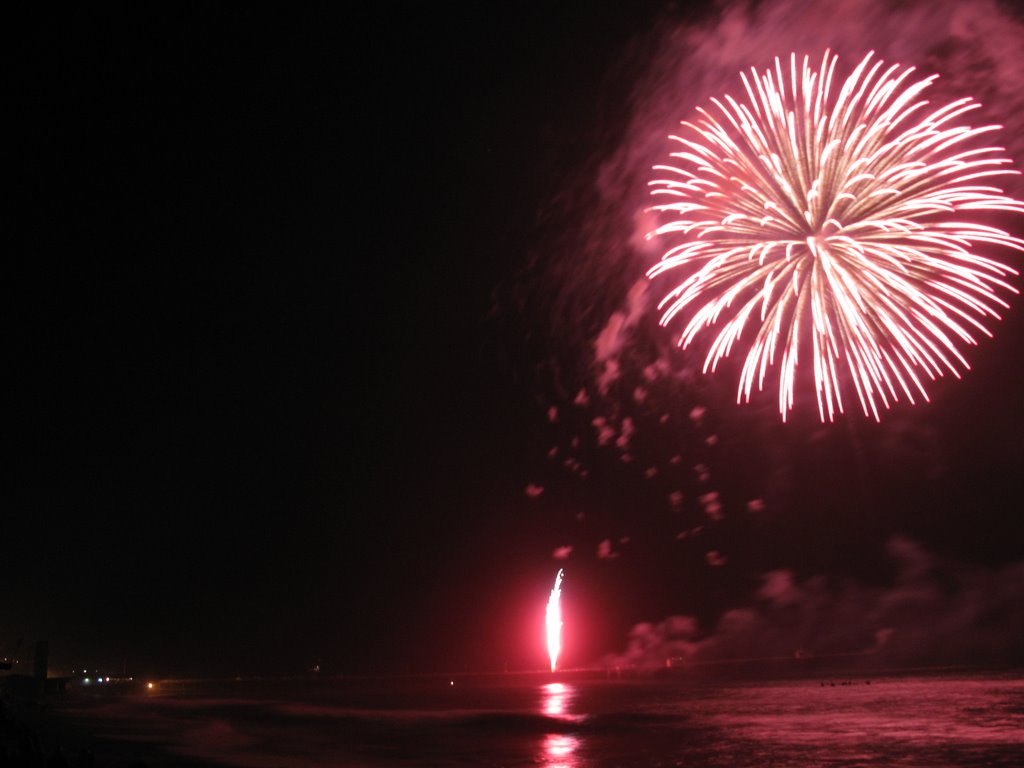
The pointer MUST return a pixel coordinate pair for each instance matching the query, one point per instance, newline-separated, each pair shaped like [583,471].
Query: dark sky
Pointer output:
[274,386]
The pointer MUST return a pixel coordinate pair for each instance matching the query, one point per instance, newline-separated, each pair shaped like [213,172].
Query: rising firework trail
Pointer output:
[840,216]
[554,621]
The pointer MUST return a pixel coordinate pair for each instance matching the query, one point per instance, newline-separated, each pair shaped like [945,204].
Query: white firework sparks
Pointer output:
[843,217]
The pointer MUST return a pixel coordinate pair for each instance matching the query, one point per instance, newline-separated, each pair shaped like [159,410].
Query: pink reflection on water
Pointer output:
[555,699]
[559,750]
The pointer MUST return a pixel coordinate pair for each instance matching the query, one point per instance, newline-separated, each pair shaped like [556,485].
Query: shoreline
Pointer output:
[61,726]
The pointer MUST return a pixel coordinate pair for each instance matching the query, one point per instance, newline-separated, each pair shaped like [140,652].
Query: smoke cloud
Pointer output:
[935,611]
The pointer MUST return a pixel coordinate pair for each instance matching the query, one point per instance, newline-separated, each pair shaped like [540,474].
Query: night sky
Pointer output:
[286,310]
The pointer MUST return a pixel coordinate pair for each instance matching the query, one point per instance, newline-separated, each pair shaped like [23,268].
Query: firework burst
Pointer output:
[843,217]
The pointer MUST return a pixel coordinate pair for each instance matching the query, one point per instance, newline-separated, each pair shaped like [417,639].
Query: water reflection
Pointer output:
[559,750]
[556,699]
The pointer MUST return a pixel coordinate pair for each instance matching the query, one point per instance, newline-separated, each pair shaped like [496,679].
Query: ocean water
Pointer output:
[572,721]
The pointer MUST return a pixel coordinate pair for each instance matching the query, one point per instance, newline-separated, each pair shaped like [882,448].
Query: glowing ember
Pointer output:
[554,621]
[853,223]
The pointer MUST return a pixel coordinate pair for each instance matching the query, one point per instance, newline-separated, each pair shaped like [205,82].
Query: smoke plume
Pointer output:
[935,612]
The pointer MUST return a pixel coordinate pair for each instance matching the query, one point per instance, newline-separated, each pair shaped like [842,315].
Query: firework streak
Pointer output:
[847,217]
[553,621]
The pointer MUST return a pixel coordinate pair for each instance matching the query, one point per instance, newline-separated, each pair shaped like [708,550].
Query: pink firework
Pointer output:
[839,215]
[553,621]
